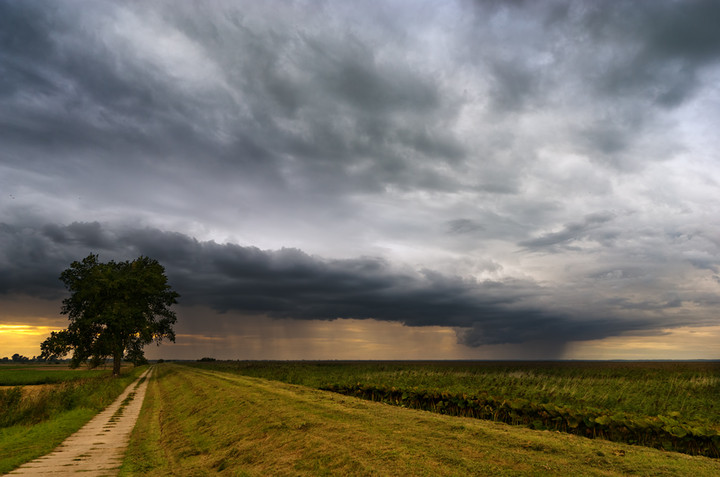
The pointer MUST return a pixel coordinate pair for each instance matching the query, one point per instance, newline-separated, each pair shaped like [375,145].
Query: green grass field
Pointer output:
[198,421]
[33,424]
[31,374]
[669,405]
[647,388]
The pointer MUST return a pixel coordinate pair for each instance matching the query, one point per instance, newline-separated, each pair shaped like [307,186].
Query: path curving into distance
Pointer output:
[98,448]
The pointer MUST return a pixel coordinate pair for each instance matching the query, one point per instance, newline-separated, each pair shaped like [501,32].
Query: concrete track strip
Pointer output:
[97,449]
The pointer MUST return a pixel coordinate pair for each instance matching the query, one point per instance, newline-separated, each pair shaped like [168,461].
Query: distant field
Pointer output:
[23,375]
[200,421]
[671,405]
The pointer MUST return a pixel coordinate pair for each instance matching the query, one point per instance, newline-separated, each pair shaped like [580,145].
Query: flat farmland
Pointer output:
[667,405]
[33,374]
[648,388]
[226,419]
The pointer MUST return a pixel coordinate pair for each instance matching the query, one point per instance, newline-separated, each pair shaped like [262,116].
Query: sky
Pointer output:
[371,180]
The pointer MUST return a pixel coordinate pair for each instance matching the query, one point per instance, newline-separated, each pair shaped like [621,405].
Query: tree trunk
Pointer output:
[117,361]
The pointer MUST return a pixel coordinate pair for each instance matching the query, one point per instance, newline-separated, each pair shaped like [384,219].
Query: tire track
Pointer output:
[98,448]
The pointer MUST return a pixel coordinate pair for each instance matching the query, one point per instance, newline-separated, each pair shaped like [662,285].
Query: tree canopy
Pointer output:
[115,309]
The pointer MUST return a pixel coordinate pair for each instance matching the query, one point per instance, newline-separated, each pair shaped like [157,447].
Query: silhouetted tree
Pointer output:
[18,358]
[115,309]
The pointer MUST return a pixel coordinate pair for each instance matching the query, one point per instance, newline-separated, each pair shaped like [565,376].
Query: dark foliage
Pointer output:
[115,309]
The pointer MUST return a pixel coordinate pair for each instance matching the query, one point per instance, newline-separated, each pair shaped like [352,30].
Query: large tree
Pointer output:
[115,309]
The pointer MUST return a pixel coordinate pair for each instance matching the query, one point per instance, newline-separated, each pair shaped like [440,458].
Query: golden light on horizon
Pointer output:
[26,329]
[237,336]
[672,343]
[22,338]
[264,338]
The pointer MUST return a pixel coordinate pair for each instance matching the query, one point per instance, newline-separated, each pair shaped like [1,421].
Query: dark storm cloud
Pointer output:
[290,107]
[670,42]
[29,263]
[514,83]
[445,135]
[83,96]
[587,229]
[627,61]
[84,234]
[463,226]
[289,283]
[299,101]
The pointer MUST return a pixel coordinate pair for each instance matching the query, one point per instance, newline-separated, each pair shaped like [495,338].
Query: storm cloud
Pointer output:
[289,283]
[518,171]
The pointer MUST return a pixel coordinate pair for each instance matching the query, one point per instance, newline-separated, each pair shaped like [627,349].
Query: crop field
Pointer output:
[24,375]
[214,420]
[667,405]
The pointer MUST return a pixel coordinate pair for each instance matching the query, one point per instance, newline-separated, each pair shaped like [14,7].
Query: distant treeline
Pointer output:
[18,358]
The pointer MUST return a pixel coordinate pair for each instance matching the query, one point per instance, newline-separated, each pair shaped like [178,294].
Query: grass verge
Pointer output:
[56,414]
[201,422]
[20,444]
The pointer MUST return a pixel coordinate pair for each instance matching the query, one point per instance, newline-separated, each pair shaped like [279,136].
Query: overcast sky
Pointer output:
[376,179]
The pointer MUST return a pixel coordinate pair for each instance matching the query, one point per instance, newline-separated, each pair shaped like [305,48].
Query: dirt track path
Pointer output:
[97,449]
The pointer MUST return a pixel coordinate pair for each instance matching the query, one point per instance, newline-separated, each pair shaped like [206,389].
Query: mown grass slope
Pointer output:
[689,389]
[203,422]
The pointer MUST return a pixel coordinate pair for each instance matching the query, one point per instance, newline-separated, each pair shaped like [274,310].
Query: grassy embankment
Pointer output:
[669,405]
[203,422]
[32,424]
[645,388]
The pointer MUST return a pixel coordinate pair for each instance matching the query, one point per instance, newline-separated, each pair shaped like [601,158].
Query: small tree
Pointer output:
[115,309]
[18,358]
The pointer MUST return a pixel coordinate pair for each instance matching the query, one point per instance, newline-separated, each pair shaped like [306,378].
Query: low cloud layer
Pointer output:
[290,284]
[517,170]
